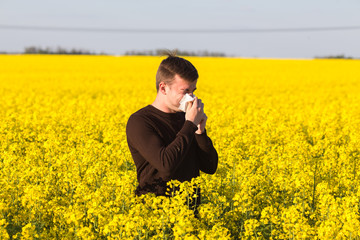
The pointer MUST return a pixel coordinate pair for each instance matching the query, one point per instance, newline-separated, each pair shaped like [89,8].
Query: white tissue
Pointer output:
[183,102]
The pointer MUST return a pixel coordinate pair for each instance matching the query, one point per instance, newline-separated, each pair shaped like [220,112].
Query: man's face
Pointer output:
[176,91]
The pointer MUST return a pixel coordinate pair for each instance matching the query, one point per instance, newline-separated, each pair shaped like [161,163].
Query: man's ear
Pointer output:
[162,88]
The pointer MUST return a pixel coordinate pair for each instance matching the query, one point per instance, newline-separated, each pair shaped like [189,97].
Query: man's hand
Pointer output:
[201,125]
[195,113]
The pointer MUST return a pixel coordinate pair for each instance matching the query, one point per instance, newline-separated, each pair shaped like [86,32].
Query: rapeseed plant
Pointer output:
[286,132]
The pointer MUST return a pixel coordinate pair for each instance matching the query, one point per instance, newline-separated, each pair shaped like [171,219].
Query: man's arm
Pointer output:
[165,158]
[208,157]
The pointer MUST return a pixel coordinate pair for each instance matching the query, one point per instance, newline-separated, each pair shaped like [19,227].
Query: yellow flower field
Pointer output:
[286,131]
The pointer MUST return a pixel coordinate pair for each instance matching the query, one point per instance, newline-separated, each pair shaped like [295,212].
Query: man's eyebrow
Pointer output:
[187,89]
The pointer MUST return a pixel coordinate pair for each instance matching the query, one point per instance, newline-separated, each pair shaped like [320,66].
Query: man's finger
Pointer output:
[188,105]
[202,105]
[195,102]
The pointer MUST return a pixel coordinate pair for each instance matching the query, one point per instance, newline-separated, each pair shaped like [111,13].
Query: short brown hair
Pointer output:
[173,65]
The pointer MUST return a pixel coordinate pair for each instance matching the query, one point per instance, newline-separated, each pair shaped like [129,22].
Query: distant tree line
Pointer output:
[161,52]
[58,50]
[340,56]
[157,52]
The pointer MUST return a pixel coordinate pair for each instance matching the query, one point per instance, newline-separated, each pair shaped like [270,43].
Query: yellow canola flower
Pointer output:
[286,131]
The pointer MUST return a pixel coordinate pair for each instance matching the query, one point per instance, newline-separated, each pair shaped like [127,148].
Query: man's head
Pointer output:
[175,77]
[172,66]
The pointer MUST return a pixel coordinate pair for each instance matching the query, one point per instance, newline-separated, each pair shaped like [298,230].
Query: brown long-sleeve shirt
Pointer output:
[164,147]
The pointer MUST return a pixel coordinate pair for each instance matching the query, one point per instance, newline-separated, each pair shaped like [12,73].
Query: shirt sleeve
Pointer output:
[208,157]
[145,139]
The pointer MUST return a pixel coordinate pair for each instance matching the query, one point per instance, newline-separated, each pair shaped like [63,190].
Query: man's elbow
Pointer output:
[215,161]
[211,168]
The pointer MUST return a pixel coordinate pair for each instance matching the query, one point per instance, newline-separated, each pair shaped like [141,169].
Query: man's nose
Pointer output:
[191,94]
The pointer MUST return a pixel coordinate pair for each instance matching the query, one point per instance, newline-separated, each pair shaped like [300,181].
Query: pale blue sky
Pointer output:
[185,14]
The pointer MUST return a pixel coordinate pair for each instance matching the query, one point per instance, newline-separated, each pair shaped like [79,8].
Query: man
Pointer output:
[166,143]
